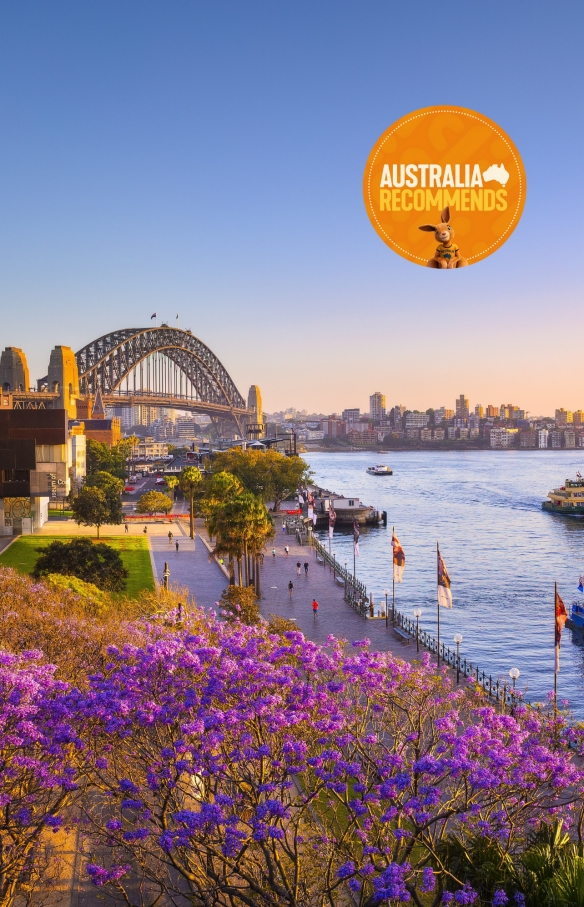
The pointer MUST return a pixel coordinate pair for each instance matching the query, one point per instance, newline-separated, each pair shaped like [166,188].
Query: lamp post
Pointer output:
[457,640]
[165,576]
[514,674]
[417,615]
[386,593]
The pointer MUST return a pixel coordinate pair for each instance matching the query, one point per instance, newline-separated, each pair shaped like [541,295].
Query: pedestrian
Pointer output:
[298,568]
[305,568]
[314,607]
[286,550]
[176,543]
[125,527]
[145,530]
[169,537]
[290,588]
[262,558]
[283,526]
[273,552]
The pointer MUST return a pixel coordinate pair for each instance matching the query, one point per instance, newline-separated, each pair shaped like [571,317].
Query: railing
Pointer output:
[355,591]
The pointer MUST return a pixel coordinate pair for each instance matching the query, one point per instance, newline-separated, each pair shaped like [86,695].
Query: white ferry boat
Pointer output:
[568,499]
[379,471]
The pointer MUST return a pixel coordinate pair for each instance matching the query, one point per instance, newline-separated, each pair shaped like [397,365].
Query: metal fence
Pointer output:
[356,595]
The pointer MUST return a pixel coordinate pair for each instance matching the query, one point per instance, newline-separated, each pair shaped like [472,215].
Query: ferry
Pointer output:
[379,471]
[568,499]
[576,618]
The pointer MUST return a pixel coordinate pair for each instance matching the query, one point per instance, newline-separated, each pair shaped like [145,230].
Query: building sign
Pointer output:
[444,187]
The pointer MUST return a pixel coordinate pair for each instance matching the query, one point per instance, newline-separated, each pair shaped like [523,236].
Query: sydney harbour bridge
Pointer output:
[155,366]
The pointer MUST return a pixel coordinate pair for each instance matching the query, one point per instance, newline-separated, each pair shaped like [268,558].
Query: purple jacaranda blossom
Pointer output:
[499,898]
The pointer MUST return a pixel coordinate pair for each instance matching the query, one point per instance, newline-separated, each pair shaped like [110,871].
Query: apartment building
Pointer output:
[502,437]
[377,406]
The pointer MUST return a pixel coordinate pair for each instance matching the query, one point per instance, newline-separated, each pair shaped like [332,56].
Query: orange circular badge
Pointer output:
[444,187]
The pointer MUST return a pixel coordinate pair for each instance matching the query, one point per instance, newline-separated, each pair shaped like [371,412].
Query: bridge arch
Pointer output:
[163,366]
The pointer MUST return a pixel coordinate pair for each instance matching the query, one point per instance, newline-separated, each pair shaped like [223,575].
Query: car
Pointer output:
[129,488]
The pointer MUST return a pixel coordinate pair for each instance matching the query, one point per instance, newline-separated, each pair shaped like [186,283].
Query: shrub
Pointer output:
[240,603]
[98,564]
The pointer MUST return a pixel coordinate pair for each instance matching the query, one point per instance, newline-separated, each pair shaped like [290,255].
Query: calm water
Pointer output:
[502,551]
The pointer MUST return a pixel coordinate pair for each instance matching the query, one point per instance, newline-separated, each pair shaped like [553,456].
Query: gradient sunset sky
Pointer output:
[207,159]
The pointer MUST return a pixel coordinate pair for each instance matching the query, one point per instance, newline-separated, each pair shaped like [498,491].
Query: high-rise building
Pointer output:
[479,411]
[578,417]
[492,412]
[563,418]
[351,415]
[377,406]
[462,407]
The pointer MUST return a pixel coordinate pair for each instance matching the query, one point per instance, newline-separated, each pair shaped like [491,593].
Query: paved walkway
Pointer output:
[190,566]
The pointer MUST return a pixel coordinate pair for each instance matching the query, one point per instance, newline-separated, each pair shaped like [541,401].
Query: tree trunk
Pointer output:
[98,530]
[231,571]
[192,515]
[257,576]
[239,572]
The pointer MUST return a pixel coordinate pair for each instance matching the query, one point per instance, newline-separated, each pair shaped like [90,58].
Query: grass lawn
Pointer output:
[22,556]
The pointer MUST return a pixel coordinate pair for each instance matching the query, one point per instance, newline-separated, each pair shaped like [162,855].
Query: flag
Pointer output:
[153,316]
[561,618]
[581,584]
[399,559]
[177,316]
[356,534]
[332,521]
[444,593]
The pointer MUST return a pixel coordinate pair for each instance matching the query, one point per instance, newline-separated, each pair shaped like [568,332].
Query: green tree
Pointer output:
[270,475]
[172,482]
[154,502]
[101,458]
[97,564]
[190,480]
[112,487]
[91,508]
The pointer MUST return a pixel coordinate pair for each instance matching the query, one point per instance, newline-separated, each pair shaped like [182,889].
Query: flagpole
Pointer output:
[393,575]
[438,597]
[555,653]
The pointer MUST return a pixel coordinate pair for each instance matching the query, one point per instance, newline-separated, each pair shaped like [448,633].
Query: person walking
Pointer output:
[169,537]
[286,550]
[305,568]
[283,526]
[290,588]
[273,552]
[125,527]
[176,543]
[298,568]
[314,607]
[145,530]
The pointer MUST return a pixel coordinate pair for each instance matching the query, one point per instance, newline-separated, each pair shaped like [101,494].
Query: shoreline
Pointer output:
[449,449]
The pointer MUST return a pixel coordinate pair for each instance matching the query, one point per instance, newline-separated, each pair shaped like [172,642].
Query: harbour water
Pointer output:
[502,551]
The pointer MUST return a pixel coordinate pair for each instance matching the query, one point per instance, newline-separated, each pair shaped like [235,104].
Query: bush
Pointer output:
[240,603]
[98,564]
[96,599]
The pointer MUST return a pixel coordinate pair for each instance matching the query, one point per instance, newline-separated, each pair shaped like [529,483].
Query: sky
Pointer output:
[206,159]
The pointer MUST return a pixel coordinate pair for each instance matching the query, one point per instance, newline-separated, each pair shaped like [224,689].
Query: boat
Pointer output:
[576,618]
[568,499]
[379,471]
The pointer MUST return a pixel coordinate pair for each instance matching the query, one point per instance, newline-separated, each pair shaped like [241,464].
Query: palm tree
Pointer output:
[190,479]
[172,482]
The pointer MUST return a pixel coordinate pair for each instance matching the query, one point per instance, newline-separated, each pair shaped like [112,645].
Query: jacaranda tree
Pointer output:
[239,768]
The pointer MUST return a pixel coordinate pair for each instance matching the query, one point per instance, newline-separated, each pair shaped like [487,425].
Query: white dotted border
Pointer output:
[427,113]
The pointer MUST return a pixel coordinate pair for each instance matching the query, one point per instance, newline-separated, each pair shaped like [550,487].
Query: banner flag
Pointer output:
[561,618]
[356,534]
[444,593]
[153,316]
[399,559]
[332,521]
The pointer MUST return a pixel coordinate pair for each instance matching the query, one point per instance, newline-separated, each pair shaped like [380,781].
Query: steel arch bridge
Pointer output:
[161,366]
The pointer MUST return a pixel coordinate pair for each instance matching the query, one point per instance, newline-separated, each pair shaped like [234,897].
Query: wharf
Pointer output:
[346,508]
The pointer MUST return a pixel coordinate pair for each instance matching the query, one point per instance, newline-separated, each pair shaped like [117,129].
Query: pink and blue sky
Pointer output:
[207,158]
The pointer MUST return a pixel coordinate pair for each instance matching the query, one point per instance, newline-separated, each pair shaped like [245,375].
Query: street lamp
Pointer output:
[457,640]
[386,593]
[514,674]
[417,615]
[165,576]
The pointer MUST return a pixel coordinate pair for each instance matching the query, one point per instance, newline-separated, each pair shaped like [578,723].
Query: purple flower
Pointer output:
[499,898]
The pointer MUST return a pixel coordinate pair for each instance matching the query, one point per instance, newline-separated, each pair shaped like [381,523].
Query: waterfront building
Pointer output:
[412,434]
[555,439]
[417,420]
[462,409]
[463,434]
[474,432]
[377,406]
[581,439]
[351,415]
[333,427]
[426,434]
[578,418]
[563,418]
[451,433]
[501,438]
[542,438]
[149,447]
[570,439]
[527,439]
[438,434]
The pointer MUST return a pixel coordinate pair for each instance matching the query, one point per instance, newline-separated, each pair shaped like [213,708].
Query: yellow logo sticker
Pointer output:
[444,187]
